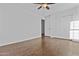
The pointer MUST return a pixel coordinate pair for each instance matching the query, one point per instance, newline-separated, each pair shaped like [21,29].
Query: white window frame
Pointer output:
[74,30]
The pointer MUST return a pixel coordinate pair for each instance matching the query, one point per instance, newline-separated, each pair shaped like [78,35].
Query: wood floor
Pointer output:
[41,47]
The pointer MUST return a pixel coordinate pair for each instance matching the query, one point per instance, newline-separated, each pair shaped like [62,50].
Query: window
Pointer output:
[74,30]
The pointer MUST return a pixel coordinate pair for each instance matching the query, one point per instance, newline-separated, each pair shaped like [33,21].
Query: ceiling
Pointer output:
[63,6]
[58,7]
[32,8]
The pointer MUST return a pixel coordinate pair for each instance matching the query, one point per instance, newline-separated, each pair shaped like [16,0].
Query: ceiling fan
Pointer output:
[44,5]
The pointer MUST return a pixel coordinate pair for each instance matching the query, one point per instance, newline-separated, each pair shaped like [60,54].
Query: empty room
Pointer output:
[39,29]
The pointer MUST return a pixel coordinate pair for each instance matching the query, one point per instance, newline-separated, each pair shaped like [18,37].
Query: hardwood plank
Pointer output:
[30,47]
[45,46]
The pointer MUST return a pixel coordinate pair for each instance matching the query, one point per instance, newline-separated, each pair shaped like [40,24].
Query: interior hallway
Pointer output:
[41,47]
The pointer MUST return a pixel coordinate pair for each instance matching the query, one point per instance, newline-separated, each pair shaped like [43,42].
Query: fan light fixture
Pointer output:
[44,5]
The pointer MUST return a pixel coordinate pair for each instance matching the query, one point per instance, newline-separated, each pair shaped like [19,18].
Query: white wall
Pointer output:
[60,22]
[18,23]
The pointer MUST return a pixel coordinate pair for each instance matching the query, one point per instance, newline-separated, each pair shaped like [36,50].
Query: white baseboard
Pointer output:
[65,38]
[7,43]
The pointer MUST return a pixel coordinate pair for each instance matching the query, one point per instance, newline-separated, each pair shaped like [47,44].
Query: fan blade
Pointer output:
[47,7]
[39,7]
[45,3]
[37,3]
[50,3]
